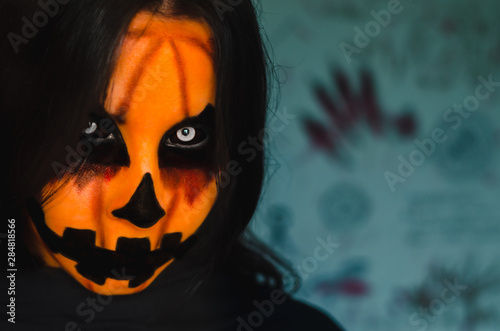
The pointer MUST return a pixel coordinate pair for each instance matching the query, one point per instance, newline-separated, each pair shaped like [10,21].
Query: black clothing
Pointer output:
[49,299]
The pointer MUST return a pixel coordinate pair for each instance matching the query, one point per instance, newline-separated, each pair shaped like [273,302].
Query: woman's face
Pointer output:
[147,184]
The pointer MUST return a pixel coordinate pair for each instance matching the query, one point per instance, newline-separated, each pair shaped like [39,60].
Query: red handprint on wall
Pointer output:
[351,110]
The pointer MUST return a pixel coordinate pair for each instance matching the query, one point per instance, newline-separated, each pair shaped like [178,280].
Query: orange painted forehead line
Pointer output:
[196,32]
[148,37]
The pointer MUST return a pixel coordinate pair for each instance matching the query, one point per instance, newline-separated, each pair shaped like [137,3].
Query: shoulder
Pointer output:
[281,312]
[243,305]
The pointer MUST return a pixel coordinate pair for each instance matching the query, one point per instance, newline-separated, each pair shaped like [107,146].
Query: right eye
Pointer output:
[96,134]
[106,143]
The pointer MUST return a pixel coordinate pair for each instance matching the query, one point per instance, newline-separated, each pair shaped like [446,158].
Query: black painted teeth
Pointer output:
[140,279]
[124,245]
[170,241]
[132,260]
[76,237]
[88,271]
[132,245]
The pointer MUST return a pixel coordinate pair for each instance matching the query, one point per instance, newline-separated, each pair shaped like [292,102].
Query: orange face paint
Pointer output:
[147,185]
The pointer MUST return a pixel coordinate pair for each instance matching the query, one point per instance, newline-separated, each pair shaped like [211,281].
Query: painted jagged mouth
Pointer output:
[132,260]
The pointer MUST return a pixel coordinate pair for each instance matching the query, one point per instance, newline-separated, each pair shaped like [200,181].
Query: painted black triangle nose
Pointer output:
[143,209]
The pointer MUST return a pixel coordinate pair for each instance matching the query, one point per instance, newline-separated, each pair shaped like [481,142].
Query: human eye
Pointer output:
[100,130]
[187,137]
[106,145]
[190,143]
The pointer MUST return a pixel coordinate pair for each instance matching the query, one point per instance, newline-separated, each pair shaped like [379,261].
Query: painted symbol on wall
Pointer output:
[468,150]
[344,207]
[349,281]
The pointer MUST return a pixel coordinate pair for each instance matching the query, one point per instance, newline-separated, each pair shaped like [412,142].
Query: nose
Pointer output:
[143,209]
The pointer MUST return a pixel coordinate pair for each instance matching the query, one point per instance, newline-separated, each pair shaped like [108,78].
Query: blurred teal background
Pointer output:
[416,229]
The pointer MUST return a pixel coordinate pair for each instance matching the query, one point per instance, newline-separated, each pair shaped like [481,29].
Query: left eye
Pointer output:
[187,136]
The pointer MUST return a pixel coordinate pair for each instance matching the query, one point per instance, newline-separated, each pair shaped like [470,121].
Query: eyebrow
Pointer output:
[100,111]
[205,116]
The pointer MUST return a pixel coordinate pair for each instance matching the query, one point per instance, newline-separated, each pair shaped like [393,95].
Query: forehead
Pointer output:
[165,66]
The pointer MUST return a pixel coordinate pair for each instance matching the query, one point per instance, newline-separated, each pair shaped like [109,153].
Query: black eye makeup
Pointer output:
[100,130]
[187,137]
[106,142]
[189,142]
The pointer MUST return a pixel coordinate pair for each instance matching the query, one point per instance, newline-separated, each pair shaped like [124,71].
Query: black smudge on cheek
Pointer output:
[194,181]
[91,171]
[104,155]
[170,178]
[190,181]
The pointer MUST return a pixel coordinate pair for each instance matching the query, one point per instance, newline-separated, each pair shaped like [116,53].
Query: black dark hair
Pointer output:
[52,78]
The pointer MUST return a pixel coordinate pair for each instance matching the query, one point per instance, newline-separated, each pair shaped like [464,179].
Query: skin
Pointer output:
[164,74]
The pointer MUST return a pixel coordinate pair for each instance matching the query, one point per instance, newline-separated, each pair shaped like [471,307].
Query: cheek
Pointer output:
[91,172]
[188,182]
[186,195]
[79,202]
[190,194]
[95,177]
[194,183]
